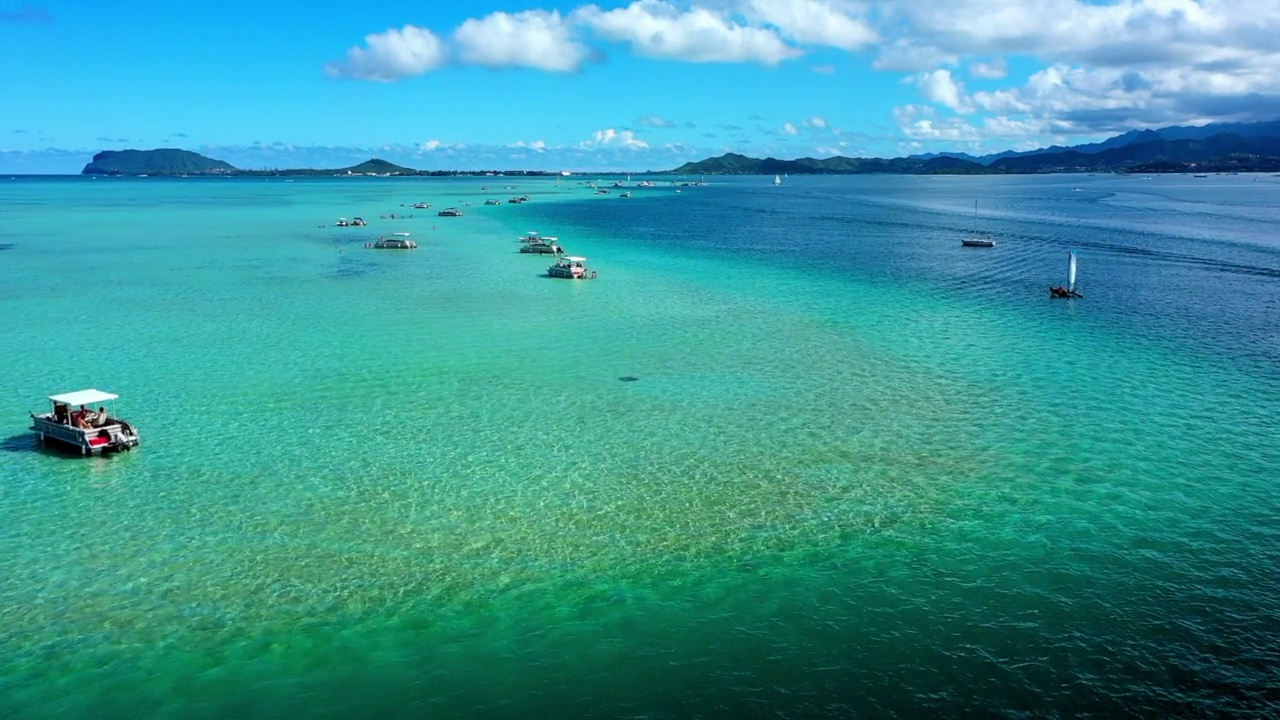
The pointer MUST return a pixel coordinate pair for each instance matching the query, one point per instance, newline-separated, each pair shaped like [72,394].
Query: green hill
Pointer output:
[378,167]
[164,161]
[368,167]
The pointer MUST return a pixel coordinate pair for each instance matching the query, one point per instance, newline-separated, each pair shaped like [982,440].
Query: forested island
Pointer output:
[169,162]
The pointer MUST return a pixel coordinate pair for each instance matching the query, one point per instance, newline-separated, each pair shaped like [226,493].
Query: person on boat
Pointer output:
[101,418]
[60,414]
[80,419]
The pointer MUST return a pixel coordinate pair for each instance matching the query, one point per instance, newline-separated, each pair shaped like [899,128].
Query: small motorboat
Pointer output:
[450,212]
[85,431]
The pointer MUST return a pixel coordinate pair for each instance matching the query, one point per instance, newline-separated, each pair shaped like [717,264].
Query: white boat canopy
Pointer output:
[83,397]
[575,258]
[402,234]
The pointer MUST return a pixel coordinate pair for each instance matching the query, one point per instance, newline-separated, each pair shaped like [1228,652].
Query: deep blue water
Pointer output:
[1192,262]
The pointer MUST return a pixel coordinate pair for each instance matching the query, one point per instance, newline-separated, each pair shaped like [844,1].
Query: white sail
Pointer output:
[777,179]
[1071,271]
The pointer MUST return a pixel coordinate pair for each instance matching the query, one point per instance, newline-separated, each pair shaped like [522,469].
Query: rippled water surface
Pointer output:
[860,469]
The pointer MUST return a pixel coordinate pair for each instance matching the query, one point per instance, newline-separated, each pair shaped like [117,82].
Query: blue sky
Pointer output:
[642,84]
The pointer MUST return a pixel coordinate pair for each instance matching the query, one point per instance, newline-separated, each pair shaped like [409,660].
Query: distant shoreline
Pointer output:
[623,173]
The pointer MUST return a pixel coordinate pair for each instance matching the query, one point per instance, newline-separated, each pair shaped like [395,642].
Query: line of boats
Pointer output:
[568,267]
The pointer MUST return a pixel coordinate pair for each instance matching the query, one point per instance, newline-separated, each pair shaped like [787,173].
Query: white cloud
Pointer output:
[790,129]
[536,146]
[817,121]
[610,138]
[392,55]
[993,70]
[814,22]
[940,87]
[534,38]
[656,28]
[1099,65]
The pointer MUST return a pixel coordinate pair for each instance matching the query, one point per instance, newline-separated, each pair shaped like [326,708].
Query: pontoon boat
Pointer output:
[398,241]
[570,267]
[85,430]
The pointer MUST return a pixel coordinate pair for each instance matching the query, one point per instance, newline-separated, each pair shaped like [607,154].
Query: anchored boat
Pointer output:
[85,430]
[571,267]
[397,241]
[976,239]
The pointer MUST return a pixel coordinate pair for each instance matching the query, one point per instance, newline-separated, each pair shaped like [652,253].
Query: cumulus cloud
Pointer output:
[814,22]
[790,129]
[539,146]
[534,38]
[391,55]
[658,29]
[1095,65]
[431,146]
[940,87]
[610,138]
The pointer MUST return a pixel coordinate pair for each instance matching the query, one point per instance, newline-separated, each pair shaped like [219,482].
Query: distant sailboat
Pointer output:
[777,180]
[975,239]
[1068,290]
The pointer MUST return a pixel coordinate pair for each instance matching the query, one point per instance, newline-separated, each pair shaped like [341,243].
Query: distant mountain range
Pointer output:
[1221,147]
[1233,147]
[171,162]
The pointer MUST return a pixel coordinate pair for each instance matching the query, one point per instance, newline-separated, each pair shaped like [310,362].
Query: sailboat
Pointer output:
[777,180]
[1068,290]
[974,239]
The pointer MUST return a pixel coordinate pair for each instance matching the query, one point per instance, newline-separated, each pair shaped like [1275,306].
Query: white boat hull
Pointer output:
[115,436]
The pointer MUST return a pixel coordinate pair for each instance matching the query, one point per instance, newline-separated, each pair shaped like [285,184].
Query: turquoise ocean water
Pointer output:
[864,471]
